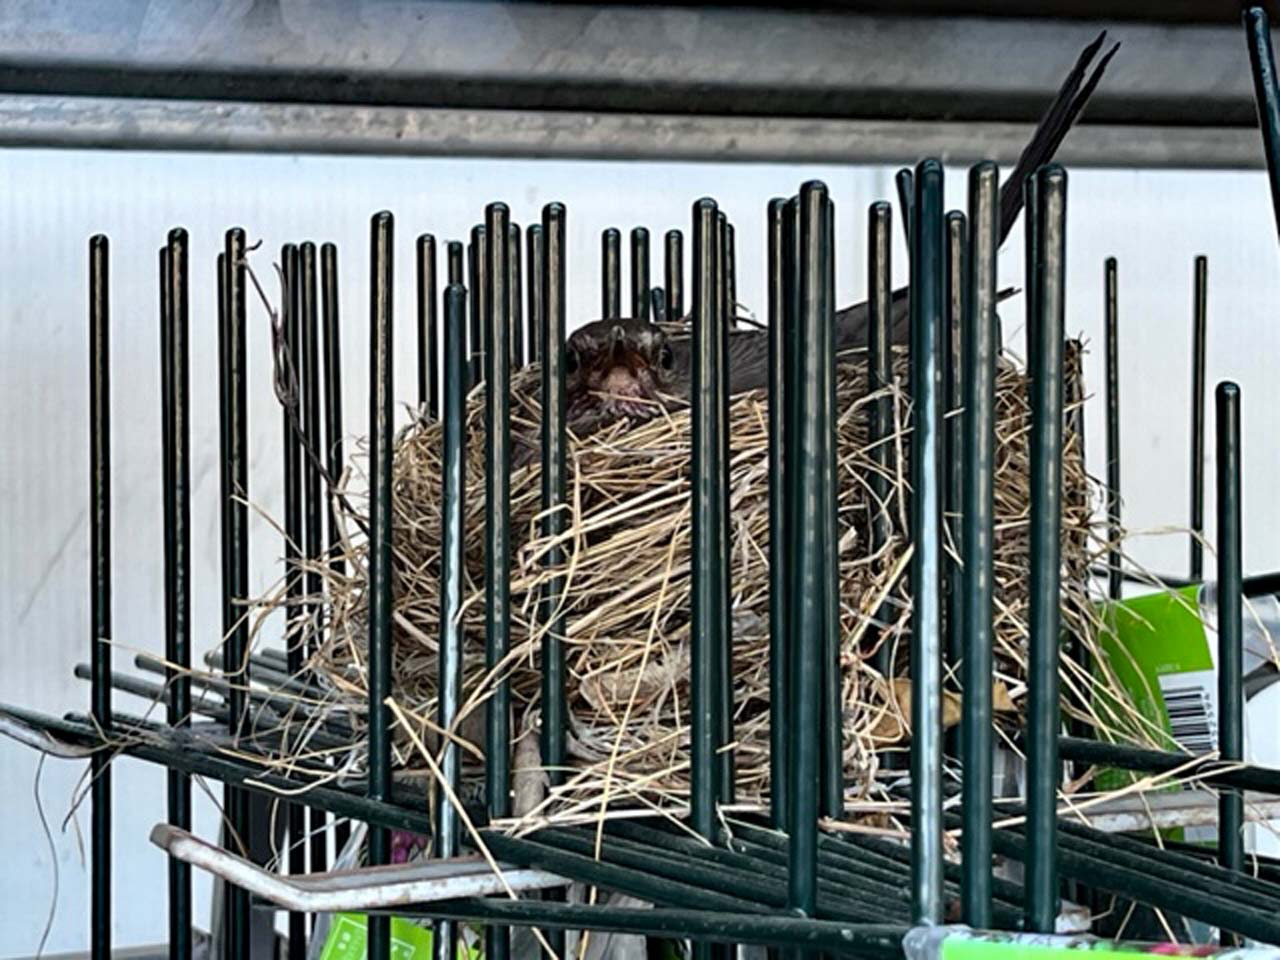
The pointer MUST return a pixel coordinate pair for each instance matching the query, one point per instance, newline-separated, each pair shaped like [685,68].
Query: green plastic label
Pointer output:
[1159,654]
[1012,946]
[349,931]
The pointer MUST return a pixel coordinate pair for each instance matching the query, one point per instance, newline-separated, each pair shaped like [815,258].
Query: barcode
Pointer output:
[1191,718]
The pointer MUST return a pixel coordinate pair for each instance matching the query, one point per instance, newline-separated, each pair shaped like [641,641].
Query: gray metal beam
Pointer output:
[461,54]
[131,124]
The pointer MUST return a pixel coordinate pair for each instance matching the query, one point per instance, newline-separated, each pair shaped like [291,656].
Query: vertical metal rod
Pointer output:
[832,722]
[952,399]
[905,181]
[778,582]
[611,273]
[497,579]
[551,311]
[297,859]
[927,306]
[381,431]
[428,351]
[1112,310]
[535,255]
[640,273]
[313,500]
[478,257]
[178,575]
[334,460]
[452,561]
[980,348]
[1047,220]
[515,295]
[812,588]
[731,275]
[707,506]
[100,585]
[880,376]
[725,766]
[673,263]
[1230,622]
[1266,94]
[1198,350]
[454,254]
[235,545]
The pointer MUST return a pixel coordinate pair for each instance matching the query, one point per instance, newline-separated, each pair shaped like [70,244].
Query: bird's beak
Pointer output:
[618,350]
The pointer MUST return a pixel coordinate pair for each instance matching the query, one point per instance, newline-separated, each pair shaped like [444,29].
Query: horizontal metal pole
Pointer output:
[862,940]
[358,889]
[83,122]
[187,758]
[580,56]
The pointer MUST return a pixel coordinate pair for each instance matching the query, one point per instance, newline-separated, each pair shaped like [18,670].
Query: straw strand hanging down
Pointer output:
[627,595]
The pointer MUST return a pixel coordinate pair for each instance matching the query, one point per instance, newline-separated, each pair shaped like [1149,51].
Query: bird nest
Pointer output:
[627,600]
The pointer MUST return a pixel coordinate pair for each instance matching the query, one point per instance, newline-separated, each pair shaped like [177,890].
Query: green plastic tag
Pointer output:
[1158,651]
[349,931]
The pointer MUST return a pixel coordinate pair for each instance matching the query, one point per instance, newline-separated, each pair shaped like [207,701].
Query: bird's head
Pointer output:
[617,369]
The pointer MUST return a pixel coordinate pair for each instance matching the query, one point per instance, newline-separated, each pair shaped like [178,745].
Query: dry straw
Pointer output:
[627,602]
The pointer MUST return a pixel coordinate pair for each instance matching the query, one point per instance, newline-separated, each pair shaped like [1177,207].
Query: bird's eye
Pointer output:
[667,357]
[570,360]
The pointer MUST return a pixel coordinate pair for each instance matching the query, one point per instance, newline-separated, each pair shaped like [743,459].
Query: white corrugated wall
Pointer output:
[51,202]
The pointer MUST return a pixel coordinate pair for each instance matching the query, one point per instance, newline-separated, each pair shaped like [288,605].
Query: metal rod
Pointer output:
[880,411]
[478,260]
[515,296]
[454,253]
[314,501]
[610,273]
[980,349]
[927,296]
[707,507]
[876,941]
[1198,350]
[381,432]
[673,264]
[536,254]
[452,569]
[1266,94]
[297,859]
[811,588]
[497,579]
[554,488]
[832,721]
[428,351]
[725,766]
[1230,622]
[186,757]
[905,182]
[1112,310]
[100,585]
[953,323]
[731,275]
[778,580]
[1237,776]
[640,273]
[552,288]
[178,573]
[333,447]
[1046,220]
[235,546]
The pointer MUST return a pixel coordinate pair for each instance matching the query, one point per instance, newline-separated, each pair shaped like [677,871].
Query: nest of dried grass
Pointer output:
[627,643]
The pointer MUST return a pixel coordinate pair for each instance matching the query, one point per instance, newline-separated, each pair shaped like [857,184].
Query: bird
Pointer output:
[632,369]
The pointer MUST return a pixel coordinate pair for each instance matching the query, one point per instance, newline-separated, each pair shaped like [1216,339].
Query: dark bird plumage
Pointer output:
[630,368]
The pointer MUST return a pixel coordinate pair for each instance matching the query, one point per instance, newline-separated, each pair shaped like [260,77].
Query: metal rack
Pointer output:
[838,892]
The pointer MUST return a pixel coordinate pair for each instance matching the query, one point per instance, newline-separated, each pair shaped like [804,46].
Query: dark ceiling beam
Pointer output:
[721,61]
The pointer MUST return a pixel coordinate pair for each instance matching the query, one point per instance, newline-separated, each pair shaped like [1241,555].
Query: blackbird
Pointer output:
[625,368]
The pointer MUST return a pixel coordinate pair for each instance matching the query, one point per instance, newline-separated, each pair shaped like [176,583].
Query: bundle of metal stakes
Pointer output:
[593,679]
